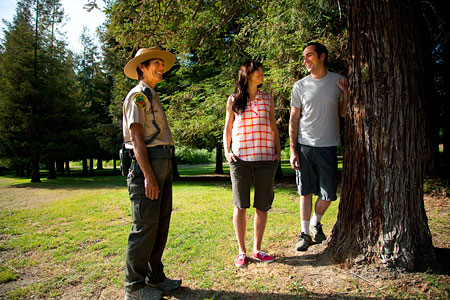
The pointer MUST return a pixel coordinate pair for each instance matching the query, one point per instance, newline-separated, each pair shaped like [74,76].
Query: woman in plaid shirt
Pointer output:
[252,147]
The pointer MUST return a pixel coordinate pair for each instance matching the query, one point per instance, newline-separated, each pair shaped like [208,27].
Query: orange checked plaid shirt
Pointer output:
[252,136]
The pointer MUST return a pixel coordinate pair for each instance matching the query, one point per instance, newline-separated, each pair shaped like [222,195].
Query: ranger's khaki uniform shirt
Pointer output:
[137,109]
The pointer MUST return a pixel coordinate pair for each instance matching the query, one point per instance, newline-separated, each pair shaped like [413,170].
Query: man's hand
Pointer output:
[343,84]
[295,160]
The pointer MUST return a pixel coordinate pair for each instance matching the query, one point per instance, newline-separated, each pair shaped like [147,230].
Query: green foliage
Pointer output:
[189,156]
[211,40]
[38,108]
[102,136]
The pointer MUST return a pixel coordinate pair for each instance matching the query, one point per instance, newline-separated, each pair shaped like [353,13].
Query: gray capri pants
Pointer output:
[261,174]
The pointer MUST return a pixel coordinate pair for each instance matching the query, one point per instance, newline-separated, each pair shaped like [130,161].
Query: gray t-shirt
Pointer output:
[318,100]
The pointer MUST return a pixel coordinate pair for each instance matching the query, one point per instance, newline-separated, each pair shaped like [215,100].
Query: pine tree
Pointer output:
[35,94]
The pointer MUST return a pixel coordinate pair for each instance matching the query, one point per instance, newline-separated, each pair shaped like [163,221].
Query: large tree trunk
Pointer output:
[91,165]
[446,96]
[219,160]
[35,170]
[85,167]
[381,213]
[51,169]
[60,166]
[99,164]
[68,167]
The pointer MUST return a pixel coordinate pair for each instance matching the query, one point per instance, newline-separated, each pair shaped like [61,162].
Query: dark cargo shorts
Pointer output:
[318,171]
[261,174]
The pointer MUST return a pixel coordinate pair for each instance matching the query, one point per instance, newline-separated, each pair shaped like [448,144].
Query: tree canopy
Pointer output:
[211,40]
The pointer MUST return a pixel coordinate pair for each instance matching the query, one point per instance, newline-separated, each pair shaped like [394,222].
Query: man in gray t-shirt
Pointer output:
[316,103]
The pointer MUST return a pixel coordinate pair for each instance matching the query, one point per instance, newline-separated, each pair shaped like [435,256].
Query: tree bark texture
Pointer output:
[446,92]
[91,165]
[219,160]
[51,169]
[68,167]
[99,164]
[381,213]
[85,167]
[60,166]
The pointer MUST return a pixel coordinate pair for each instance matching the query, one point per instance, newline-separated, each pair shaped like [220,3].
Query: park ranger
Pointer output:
[146,132]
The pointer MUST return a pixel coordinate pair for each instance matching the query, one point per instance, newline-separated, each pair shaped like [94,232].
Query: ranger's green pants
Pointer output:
[148,234]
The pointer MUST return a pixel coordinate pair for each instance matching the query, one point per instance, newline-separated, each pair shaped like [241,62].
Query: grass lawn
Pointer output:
[66,239]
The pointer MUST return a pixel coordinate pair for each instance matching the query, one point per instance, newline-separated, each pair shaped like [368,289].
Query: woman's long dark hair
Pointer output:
[241,88]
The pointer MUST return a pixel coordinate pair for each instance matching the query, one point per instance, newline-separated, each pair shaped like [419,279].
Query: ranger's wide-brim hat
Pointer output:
[144,54]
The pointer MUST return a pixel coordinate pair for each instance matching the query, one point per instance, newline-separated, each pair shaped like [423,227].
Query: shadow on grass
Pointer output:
[114,182]
[304,259]
[185,293]
[76,183]
[112,179]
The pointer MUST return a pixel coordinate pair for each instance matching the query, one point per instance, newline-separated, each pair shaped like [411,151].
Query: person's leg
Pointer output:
[241,179]
[305,212]
[142,236]
[327,172]
[316,230]
[321,207]
[260,226]
[163,172]
[304,240]
[307,183]
[240,225]
[264,174]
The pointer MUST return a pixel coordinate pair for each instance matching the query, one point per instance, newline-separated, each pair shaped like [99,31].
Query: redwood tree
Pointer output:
[381,213]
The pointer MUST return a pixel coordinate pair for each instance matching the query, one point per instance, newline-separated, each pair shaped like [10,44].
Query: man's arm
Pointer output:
[293,136]
[343,85]
[140,151]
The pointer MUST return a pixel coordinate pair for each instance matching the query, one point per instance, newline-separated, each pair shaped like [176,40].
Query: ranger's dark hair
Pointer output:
[319,48]
[241,89]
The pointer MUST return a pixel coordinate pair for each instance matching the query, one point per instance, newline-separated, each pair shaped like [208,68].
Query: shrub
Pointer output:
[189,156]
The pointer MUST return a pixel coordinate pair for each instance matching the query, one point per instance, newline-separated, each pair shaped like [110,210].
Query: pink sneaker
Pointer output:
[262,257]
[241,260]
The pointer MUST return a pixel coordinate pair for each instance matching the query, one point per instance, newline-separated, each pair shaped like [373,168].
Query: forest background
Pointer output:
[59,106]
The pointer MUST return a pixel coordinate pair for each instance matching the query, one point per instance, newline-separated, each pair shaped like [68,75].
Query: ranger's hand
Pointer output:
[151,188]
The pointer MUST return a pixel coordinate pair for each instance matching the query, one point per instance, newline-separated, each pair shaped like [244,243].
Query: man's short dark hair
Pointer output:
[319,48]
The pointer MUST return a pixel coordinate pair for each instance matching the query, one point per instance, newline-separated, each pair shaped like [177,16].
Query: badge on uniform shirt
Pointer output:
[140,100]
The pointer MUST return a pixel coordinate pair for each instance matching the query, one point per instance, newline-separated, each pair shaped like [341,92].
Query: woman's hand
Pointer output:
[277,156]
[230,157]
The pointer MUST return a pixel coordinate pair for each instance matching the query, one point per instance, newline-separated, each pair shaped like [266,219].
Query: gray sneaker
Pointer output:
[167,285]
[304,240]
[146,293]
[317,233]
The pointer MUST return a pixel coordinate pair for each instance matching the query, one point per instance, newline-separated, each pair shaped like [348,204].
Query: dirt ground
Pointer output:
[307,275]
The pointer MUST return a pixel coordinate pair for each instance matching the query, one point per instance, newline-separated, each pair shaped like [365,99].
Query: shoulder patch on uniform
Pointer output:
[140,100]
